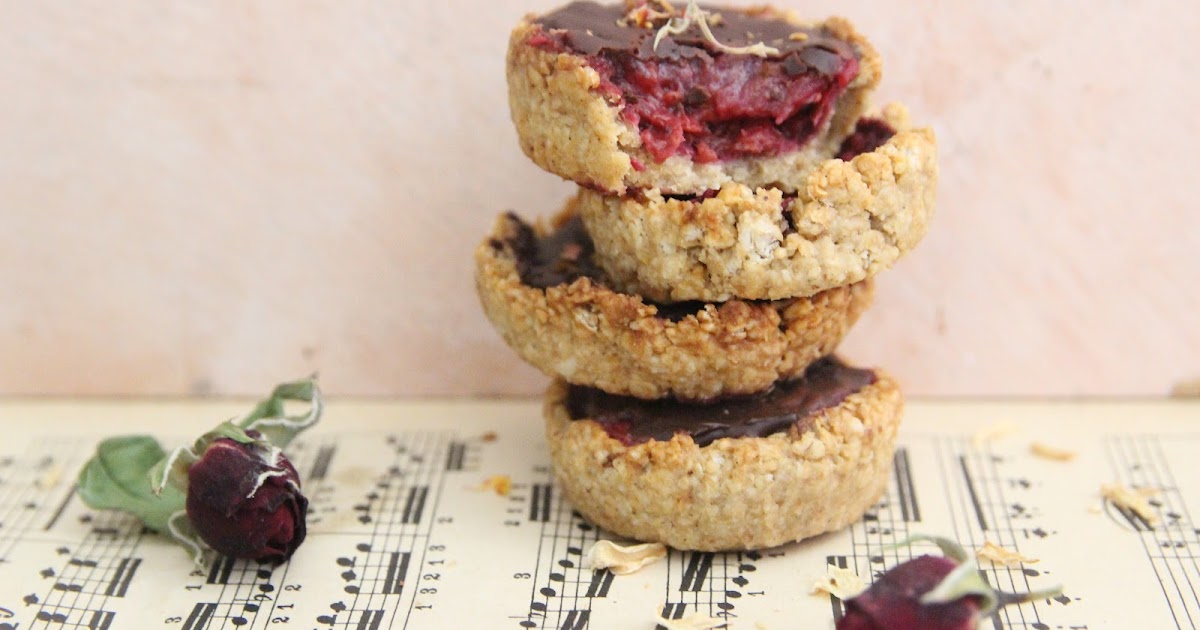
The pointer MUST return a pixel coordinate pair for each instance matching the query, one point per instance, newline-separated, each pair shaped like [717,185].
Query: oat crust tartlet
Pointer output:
[735,493]
[570,122]
[584,332]
[849,221]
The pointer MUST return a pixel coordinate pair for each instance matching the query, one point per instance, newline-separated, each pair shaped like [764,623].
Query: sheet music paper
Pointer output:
[402,533]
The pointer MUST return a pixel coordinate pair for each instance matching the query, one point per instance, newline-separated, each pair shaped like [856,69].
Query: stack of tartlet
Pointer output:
[735,202]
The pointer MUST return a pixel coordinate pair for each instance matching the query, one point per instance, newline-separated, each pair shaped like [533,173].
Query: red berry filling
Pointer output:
[869,134]
[689,99]
[727,107]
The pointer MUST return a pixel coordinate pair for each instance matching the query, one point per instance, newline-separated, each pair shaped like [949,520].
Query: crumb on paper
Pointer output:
[605,554]
[996,431]
[1186,389]
[490,436]
[50,478]
[1137,500]
[798,37]
[500,484]
[999,555]
[1045,451]
[841,583]
[694,621]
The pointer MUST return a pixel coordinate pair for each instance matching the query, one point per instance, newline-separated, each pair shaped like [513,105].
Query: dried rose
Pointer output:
[232,491]
[930,593]
[244,500]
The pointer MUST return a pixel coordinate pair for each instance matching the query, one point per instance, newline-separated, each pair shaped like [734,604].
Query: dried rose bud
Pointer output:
[930,593]
[231,491]
[894,600]
[244,501]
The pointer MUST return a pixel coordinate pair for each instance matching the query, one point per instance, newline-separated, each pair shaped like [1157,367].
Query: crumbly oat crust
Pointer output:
[591,335]
[570,130]
[736,493]
[849,221]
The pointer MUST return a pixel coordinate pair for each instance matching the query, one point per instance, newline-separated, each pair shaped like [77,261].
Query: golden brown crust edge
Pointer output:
[736,493]
[590,335]
[850,221]
[568,129]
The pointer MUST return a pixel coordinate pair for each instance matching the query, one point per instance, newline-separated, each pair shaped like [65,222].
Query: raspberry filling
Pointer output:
[826,383]
[869,134]
[686,98]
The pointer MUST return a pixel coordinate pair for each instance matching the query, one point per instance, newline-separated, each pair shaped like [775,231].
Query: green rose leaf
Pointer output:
[118,478]
[269,416]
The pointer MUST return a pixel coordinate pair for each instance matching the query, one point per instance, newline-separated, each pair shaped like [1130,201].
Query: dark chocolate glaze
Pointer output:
[826,383]
[565,255]
[591,28]
[558,258]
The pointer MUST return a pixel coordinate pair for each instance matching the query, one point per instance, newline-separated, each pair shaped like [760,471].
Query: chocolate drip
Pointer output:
[591,28]
[826,383]
[559,258]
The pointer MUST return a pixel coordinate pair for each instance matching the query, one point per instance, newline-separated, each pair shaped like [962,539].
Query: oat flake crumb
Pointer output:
[694,621]
[1186,389]
[605,554]
[490,436]
[999,555]
[1051,452]
[841,583]
[1137,499]
[50,478]
[500,484]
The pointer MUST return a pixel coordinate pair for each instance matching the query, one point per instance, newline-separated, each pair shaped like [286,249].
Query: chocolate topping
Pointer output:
[559,258]
[826,383]
[590,27]
[565,255]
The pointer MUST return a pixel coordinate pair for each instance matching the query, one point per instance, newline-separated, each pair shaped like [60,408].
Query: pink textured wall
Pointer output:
[209,197]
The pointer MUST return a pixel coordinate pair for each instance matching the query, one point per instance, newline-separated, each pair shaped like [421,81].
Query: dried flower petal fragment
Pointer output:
[996,431]
[694,15]
[995,553]
[694,621]
[841,583]
[1136,500]
[605,554]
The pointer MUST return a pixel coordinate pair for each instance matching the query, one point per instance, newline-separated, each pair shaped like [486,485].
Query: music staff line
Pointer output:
[88,567]
[397,530]
[1141,462]
[554,562]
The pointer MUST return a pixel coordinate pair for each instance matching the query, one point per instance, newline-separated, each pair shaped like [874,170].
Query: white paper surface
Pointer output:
[402,535]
